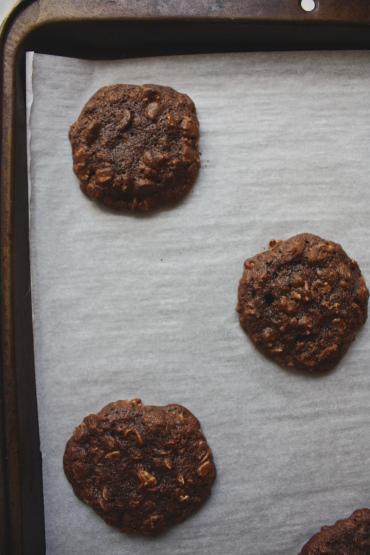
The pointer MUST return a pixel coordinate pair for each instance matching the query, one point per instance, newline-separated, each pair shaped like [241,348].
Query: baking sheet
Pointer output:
[128,306]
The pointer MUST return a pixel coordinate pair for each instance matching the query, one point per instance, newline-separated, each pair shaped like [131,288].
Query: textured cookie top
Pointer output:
[302,301]
[136,147]
[350,536]
[141,468]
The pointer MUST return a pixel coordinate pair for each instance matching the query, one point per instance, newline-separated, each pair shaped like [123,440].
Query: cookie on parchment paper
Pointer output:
[141,468]
[302,302]
[350,536]
[136,147]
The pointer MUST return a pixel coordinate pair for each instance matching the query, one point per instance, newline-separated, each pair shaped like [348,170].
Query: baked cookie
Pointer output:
[302,302]
[136,147]
[350,536]
[141,468]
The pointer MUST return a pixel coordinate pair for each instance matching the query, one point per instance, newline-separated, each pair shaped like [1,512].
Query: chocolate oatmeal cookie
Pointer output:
[302,302]
[350,536]
[136,147]
[141,468]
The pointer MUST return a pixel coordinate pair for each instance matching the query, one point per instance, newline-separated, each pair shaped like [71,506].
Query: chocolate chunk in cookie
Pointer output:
[350,536]
[302,302]
[136,147]
[141,468]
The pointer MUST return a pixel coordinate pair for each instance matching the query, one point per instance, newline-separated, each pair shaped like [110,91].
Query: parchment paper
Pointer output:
[129,306]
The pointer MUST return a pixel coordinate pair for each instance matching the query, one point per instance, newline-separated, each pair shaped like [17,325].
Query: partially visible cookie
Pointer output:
[350,536]
[302,302]
[141,468]
[136,147]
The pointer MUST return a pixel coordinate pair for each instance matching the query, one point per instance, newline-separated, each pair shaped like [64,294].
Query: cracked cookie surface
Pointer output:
[350,536]
[136,147]
[302,301]
[141,468]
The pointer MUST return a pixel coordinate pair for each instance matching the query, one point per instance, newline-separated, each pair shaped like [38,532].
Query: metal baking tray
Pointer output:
[106,29]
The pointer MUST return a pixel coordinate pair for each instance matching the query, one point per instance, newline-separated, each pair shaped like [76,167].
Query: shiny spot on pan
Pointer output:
[308,5]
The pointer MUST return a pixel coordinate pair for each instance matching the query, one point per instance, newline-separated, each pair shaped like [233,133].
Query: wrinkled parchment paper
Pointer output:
[129,306]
